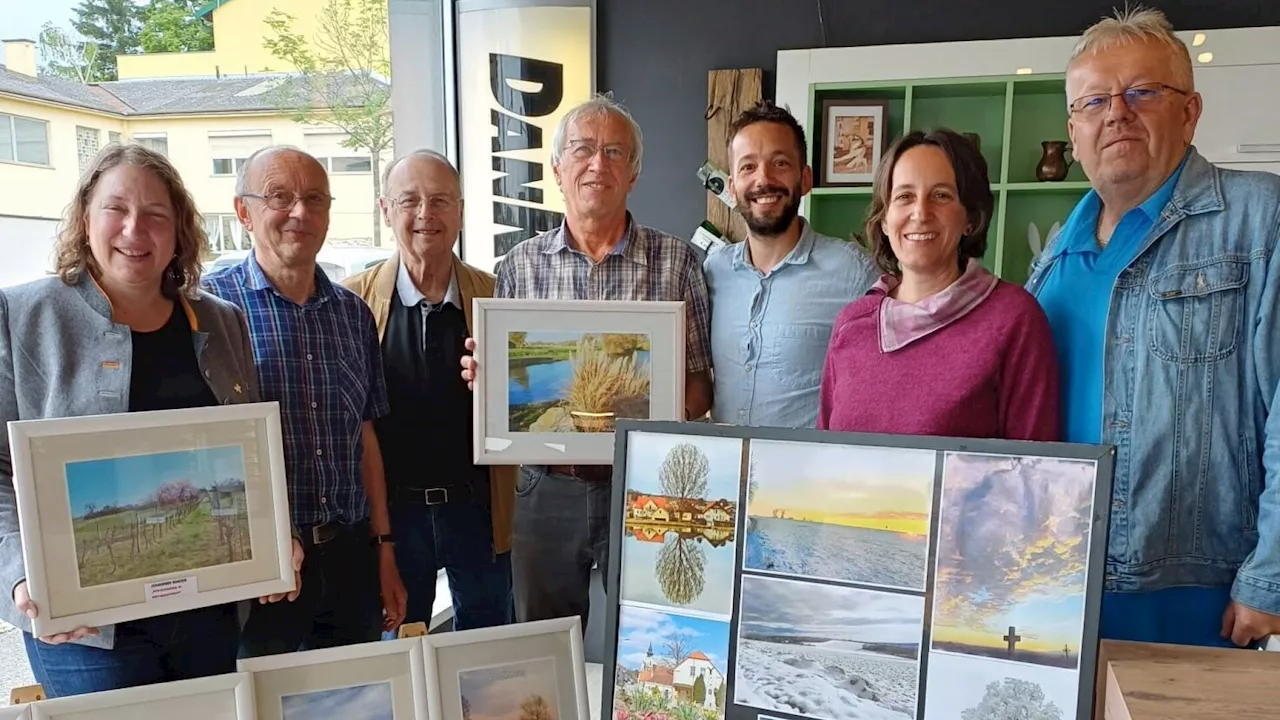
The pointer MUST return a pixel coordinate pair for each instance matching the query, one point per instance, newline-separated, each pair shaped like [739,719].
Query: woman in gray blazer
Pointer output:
[121,327]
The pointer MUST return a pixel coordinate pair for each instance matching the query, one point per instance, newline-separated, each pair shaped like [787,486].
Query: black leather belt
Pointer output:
[326,532]
[429,496]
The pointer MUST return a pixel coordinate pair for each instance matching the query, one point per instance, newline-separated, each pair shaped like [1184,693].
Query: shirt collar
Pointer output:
[258,280]
[631,245]
[411,296]
[1083,220]
[799,254]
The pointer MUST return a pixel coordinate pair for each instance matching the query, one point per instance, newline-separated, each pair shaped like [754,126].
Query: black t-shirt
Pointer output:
[166,375]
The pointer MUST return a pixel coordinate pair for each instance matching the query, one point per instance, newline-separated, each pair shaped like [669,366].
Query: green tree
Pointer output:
[517,339]
[700,690]
[683,473]
[65,56]
[113,25]
[720,697]
[172,26]
[345,75]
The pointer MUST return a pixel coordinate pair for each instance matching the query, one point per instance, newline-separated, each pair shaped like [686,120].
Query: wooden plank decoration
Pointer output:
[1146,681]
[729,92]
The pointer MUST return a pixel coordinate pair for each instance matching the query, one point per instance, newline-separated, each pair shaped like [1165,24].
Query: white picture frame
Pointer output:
[16,712]
[383,679]
[522,655]
[219,697]
[552,425]
[68,476]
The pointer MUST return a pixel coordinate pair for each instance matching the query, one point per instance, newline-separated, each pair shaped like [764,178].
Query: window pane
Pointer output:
[113,137]
[351,164]
[159,144]
[32,140]
[223,166]
[6,137]
[88,141]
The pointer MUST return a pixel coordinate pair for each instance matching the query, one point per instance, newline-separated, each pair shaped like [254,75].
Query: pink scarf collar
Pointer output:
[902,323]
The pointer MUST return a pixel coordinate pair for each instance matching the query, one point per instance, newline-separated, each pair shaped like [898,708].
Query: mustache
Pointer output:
[768,190]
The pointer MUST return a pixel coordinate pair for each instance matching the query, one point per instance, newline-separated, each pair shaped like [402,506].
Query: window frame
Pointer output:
[13,141]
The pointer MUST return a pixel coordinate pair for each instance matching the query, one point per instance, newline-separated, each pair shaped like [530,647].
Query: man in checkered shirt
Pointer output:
[599,253]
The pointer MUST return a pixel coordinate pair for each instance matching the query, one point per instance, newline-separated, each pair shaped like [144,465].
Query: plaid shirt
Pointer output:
[322,362]
[646,265]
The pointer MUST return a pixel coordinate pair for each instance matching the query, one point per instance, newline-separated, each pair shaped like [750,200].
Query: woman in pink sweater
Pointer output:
[939,346]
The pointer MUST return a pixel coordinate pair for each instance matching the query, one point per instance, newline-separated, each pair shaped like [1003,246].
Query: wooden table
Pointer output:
[1146,681]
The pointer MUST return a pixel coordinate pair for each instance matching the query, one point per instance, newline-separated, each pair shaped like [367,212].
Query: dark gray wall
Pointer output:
[655,54]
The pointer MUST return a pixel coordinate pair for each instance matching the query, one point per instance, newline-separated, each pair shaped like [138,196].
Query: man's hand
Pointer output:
[394,597]
[1244,625]
[470,368]
[22,601]
[297,578]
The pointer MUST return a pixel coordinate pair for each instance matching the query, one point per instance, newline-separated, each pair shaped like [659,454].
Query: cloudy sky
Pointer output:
[366,702]
[784,607]
[646,451]
[830,478]
[638,627]
[497,692]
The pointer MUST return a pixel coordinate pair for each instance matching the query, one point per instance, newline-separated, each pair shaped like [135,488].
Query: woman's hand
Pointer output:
[23,602]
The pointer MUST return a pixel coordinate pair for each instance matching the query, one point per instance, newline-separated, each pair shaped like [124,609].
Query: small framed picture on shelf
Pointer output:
[219,697]
[133,515]
[378,680]
[554,376]
[854,138]
[527,670]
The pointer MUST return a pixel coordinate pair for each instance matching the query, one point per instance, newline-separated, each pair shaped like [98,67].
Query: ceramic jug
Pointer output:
[1053,165]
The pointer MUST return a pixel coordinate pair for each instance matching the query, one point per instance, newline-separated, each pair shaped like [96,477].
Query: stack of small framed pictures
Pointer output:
[768,574]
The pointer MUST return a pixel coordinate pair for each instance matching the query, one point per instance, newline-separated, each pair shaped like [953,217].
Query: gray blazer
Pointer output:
[62,356]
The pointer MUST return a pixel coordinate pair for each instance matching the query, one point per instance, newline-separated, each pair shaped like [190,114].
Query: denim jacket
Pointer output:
[1192,365]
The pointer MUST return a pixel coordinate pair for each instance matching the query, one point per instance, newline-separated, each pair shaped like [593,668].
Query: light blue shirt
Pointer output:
[769,333]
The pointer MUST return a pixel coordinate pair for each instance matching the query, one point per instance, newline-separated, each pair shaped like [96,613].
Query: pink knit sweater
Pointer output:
[990,374]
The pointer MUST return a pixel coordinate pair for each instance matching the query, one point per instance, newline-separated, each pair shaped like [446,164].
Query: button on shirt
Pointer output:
[321,362]
[769,332]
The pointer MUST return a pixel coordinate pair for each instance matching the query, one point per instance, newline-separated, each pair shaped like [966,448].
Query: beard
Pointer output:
[771,225]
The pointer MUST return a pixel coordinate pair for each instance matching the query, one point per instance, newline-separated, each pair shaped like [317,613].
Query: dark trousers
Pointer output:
[340,602]
[561,529]
[178,646]
[457,535]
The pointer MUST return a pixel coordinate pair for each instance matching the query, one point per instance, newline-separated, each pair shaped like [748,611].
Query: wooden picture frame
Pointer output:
[505,666]
[207,698]
[877,572]
[577,366]
[376,679]
[855,136]
[103,500]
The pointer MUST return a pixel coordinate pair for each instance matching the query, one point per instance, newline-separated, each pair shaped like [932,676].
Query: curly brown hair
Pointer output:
[72,254]
[972,185]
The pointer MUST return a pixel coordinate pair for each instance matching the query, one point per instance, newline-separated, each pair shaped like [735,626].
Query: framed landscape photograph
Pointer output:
[854,138]
[370,681]
[555,375]
[133,515]
[220,697]
[527,671]
[798,574]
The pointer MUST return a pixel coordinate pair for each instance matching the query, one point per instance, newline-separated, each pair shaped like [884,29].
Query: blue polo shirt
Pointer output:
[1076,297]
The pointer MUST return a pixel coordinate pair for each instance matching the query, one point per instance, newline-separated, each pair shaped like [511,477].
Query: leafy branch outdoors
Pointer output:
[344,76]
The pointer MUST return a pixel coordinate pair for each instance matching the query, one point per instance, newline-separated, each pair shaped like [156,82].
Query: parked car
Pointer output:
[336,262]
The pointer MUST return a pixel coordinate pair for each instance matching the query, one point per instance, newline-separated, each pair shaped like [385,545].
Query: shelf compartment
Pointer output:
[1039,115]
[840,216]
[895,96]
[977,107]
[1022,209]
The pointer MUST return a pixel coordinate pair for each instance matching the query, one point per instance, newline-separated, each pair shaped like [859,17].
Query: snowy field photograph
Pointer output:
[1013,548]
[840,512]
[961,687]
[826,652]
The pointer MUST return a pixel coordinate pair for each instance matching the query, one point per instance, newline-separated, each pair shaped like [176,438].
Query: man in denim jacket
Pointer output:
[1163,291]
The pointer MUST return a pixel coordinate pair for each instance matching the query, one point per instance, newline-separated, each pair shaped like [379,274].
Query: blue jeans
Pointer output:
[179,646]
[458,536]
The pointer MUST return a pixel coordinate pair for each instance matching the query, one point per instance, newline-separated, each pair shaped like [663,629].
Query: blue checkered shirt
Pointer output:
[322,363]
[646,265]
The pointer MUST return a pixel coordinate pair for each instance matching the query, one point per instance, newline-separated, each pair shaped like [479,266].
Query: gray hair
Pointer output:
[242,174]
[599,106]
[1137,25]
[423,153]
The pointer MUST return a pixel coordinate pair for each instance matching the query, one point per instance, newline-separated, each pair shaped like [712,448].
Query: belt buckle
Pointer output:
[442,495]
[322,533]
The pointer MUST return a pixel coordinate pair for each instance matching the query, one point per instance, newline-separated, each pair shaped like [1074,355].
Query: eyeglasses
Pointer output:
[583,150]
[1138,97]
[283,200]
[435,203]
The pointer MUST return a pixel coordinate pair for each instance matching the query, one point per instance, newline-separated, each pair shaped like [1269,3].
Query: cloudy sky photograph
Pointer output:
[772,606]
[640,627]
[360,702]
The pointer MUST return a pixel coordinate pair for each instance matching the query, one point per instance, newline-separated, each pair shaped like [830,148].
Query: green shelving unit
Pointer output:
[1012,115]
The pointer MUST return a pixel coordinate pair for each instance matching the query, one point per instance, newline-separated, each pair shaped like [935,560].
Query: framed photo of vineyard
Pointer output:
[133,515]
[555,375]
[801,574]
[530,671]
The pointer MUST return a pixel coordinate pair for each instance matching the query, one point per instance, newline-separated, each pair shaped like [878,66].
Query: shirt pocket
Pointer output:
[353,385]
[798,355]
[1196,311]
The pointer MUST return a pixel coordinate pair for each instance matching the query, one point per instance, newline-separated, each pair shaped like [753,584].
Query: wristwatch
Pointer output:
[380,539]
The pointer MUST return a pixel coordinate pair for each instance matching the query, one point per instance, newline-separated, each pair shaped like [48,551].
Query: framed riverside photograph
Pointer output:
[527,671]
[220,697]
[133,515]
[799,574]
[555,375]
[854,137]
[370,681]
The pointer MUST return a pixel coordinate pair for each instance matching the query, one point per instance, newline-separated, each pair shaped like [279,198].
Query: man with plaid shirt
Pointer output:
[598,253]
[317,354]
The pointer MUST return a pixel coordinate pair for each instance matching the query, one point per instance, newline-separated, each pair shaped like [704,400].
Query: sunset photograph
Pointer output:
[839,512]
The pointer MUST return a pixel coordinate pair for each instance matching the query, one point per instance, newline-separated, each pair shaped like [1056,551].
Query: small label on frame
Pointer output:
[171,588]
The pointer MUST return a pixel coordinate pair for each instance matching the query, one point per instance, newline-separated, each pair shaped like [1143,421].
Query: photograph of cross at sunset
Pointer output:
[1013,547]
[840,512]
